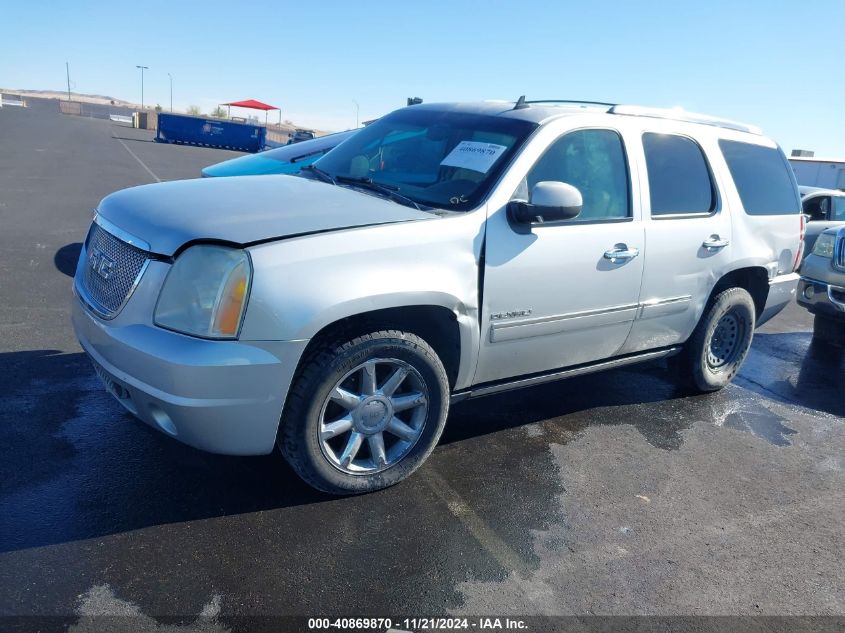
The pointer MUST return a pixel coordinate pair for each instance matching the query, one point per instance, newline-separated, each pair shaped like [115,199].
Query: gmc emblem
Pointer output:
[100,263]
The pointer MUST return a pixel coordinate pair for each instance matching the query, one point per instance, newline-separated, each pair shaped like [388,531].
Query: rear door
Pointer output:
[688,236]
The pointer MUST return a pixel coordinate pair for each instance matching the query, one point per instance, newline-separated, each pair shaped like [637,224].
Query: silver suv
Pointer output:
[444,252]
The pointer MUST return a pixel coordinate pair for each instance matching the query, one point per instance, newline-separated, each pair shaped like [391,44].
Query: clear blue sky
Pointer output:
[778,64]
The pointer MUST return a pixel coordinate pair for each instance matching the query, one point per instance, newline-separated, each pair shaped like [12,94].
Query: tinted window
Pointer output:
[762,178]
[678,176]
[439,158]
[594,162]
[838,205]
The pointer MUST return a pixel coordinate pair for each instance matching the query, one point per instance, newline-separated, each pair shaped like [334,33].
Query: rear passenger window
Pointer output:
[678,177]
[762,178]
[594,162]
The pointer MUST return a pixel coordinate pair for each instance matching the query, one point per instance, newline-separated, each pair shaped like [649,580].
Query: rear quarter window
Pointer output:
[762,177]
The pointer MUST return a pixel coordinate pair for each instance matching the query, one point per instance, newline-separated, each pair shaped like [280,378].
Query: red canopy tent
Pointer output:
[254,105]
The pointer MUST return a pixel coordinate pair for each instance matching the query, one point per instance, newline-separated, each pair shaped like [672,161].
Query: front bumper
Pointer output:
[219,396]
[781,292]
[822,298]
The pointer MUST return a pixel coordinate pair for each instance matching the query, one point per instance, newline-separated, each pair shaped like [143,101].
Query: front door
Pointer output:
[564,293]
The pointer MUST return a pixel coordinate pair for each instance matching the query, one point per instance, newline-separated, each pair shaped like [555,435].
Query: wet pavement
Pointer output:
[611,493]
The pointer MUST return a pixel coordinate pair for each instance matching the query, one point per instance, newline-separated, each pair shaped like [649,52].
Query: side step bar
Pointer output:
[530,381]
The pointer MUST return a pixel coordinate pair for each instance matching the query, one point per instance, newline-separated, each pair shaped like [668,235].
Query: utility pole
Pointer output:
[171,91]
[143,68]
[357,112]
[67,68]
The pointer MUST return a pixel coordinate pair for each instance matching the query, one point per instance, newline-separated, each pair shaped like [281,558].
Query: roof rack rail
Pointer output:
[573,102]
[677,114]
[522,103]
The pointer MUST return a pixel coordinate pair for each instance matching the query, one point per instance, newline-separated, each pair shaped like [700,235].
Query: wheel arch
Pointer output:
[449,332]
[754,279]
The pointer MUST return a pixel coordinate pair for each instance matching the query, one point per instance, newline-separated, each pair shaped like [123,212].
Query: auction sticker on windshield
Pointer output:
[474,155]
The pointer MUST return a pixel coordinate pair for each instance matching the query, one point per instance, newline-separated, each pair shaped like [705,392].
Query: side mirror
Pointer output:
[550,201]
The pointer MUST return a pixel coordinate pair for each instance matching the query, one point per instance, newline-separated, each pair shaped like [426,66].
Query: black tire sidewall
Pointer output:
[704,377]
[302,426]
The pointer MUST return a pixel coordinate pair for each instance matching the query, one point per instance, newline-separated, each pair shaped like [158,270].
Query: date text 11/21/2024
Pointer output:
[409,625]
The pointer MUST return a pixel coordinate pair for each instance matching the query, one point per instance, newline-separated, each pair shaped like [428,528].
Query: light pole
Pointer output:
[171,91]
[357,111]
[143,68]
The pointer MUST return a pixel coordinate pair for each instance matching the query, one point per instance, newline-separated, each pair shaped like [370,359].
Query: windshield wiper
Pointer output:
[320,173]
[390,191]
[316,152]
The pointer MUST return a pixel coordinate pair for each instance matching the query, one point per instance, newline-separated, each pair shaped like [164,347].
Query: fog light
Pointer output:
[809,291]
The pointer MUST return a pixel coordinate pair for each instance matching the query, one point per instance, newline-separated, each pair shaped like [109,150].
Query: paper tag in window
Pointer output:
[474,155]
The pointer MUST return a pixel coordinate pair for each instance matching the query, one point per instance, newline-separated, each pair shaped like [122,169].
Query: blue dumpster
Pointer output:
[191,130]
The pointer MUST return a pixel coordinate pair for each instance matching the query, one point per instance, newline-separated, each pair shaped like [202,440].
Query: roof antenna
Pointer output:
[520,103]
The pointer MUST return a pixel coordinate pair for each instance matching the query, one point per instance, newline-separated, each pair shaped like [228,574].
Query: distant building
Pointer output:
[810,171]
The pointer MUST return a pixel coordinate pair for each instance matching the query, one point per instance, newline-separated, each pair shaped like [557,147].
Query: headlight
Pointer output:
[824,245]
[205,292]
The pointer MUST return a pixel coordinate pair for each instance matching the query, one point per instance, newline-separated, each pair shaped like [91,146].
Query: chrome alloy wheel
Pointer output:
[373,416]
[726,341]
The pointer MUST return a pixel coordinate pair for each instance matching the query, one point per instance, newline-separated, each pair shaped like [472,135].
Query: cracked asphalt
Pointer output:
[608,494]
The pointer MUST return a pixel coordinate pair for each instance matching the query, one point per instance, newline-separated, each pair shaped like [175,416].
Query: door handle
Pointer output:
[714,242]
[621,253]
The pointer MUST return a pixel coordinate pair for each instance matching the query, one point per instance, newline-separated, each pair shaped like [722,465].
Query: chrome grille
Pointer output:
[111,270]
[839,252]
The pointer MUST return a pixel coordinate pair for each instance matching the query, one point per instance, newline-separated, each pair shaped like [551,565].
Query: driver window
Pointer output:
[594,162]
[818,208]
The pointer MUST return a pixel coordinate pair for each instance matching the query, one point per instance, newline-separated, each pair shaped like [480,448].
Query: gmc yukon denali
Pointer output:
[446,251]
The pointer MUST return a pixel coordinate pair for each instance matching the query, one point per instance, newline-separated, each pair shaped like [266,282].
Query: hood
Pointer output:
[243,210]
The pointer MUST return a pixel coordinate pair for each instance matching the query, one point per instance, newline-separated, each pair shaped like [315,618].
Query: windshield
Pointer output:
[438,159]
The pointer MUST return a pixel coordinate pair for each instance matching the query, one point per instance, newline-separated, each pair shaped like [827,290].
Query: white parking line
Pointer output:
[133,155]
[512,563]
[486,537]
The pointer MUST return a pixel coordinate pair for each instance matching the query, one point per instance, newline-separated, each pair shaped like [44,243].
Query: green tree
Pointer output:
[219,112]
[194,110]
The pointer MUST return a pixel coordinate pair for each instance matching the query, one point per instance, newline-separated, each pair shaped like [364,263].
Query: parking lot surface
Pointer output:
[613,493]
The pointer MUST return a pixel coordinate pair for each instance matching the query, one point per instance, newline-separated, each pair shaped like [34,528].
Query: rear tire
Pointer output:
[364,413]
[720,342]
[828,331]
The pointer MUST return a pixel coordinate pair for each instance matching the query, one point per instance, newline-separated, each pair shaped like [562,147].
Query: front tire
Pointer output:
[365,413]
[714,353]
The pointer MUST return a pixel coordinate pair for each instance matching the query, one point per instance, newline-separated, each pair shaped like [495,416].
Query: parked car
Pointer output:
[825,208]
[297,136]
[822,286]
[444,252]
[288,159]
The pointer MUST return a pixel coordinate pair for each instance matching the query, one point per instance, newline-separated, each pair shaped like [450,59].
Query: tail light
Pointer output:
[799,253]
